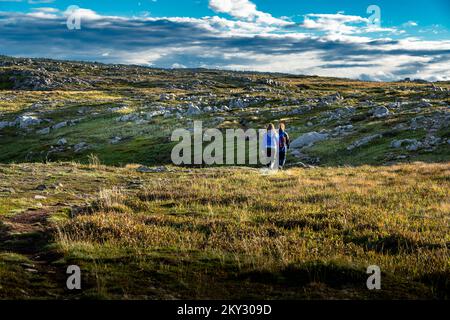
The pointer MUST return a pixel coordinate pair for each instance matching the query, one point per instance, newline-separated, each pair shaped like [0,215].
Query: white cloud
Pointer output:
[178,66]
[245,10]
[410,24]
[85,14]
[340,23]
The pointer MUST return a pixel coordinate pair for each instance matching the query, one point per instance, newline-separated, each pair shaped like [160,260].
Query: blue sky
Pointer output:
[323,37]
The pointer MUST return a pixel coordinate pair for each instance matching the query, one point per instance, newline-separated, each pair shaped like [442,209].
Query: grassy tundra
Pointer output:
[375,191]
[226,233]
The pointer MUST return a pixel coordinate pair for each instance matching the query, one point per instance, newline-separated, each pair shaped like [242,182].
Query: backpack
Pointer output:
[283,142]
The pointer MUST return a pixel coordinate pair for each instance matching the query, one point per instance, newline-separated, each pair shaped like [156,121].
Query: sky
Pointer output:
[375,40]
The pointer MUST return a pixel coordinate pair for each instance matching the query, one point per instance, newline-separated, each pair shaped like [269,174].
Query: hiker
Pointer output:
[283,145]
[270,140]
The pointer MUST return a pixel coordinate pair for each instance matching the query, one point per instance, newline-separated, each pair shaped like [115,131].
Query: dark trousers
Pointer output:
[269,155]
[282,157]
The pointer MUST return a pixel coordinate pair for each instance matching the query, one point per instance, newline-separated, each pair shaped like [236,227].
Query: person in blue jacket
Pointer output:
[283,145]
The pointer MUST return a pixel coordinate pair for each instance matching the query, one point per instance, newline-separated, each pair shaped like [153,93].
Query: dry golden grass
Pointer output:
[396,217]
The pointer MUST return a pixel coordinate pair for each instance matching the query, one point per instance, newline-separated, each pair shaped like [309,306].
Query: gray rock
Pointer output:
[238,104]
[395,105]
[80,147]
[193,110]
[151,114]
[26,121]
[115,140]
[425,104]
[128,117]
[431,140]
[141,121]
[6,124]
[339,113]
[342,130]
[83,110]
[308,139]
[363,141]
[167,96]
[219,120]
[380,112]
[331,98]
[145,169]
[408,142]
[62,142]
[60,125]
[44,131]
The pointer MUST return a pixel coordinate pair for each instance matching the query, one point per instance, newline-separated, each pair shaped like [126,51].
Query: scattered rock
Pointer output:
[332,98]
[308,139]
[128,117]
[150,115]
[342,130]
[411,144]
[145,169]
[380,112]
[115,140]
[62,142]
[80,147]
[59,125]
[27,121]
[363,141]
[43,131]
[6,124]
[167,96]
[339,113]
[193,110]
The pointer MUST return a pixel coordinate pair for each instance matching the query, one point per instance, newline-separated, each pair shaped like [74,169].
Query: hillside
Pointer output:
[126,114]
[86,178]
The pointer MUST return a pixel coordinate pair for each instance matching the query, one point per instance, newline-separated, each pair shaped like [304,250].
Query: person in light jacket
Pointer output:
[270,140]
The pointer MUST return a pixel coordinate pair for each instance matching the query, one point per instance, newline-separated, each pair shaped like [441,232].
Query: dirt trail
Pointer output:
[29,234]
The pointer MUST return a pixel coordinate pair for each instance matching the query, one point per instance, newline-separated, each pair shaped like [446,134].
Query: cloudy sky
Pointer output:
[369,40]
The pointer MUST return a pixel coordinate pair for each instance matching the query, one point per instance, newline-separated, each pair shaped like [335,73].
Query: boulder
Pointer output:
[128,117]
[26,121]
[167,96]
[151,114]
[411,144]
[342,130]
[308,139]
[6,124]
[62,142]
[115,140]
[193,110]
[60,125]
[363,141]
[380,112]
[80,147]
[43,131]
[332,98]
